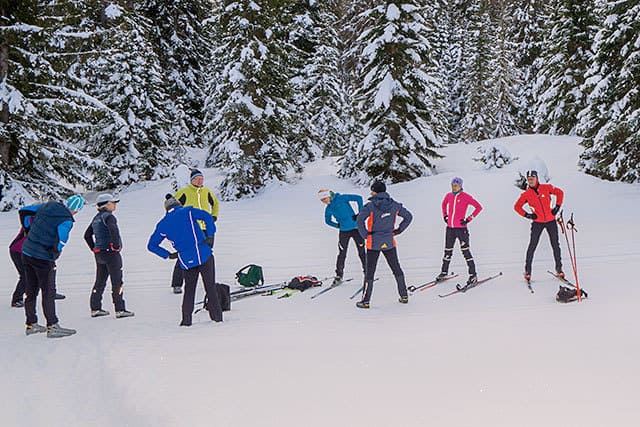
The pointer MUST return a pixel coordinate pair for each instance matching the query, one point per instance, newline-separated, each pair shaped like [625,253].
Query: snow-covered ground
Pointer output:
[495,356]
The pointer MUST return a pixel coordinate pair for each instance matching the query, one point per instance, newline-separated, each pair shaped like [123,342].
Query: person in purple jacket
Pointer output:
[454,213]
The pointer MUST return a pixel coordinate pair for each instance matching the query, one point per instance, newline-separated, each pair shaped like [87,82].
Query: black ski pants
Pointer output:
[18,294]
[343,245]
[208,274]
[40,275]
[108,265]
[536,231]
[178,276]
[391,256]
[450,238]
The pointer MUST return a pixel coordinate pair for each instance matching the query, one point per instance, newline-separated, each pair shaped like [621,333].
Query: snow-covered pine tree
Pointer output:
[611,121]
[132,140]
[323,82]
[478,56]
[298,27]
[566,56]
[42,113]
[183,43]
[248,114]
[400,94]
[504,77]
[527,32]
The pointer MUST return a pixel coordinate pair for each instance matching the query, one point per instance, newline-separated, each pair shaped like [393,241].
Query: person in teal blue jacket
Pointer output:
[339,214]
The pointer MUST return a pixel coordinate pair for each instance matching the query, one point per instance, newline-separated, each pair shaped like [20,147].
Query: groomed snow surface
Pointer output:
[495,356]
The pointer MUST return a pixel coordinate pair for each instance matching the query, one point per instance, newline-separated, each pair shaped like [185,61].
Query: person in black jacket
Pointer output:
[106,248]
[377,225]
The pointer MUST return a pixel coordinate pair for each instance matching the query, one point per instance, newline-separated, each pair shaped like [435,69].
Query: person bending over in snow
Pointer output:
[193,247]
[106,249]
[454,213]
[47,237]
[543,216]
[198,196]
[377,225]
[338,207]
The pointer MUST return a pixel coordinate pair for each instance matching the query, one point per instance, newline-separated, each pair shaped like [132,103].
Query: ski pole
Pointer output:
[571,226]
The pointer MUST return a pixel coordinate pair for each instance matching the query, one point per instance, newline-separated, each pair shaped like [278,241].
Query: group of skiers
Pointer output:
[374,228]
[44,231]
[189,225]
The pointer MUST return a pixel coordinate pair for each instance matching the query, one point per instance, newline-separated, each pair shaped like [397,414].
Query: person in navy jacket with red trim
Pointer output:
[543,216]
[193,247]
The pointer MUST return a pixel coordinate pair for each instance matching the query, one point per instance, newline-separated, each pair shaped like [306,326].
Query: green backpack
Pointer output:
[250,275]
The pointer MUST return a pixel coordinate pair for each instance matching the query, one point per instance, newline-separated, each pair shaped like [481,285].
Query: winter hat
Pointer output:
[170,202]
[74,203]
[323,194]
[457,180]
[378,187]
[105,198]
[532,173]
[195,173]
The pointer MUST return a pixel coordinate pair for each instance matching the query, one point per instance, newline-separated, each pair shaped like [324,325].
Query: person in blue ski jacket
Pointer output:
[194,253]
[47,236]
[377,225]
[338,207]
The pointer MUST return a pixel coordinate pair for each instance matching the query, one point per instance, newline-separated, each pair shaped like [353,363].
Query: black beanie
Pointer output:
[378,187]
[194,173]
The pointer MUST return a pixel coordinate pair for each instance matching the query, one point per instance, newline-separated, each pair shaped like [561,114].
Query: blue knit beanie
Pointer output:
[74,203]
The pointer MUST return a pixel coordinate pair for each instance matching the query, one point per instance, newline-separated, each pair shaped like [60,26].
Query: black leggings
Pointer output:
[536,231]
[208,274]
[450,238]
[108,264]
[343,245]
[391,256]
[40,275]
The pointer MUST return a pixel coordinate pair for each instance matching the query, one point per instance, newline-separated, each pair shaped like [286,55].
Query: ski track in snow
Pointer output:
[494,356]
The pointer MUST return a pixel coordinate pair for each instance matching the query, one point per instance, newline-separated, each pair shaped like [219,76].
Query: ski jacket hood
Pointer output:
[377,221]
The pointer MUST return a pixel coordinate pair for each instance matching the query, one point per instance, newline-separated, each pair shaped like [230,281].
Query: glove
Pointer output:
[114,249]
[466,220]
[355,217]
[446,219]
[530,216]
[397,231]
[55,254]
[173,255]
[555,210]
[209,241]
[215,218]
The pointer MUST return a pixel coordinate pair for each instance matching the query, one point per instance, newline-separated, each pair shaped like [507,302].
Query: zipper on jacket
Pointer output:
[453,214]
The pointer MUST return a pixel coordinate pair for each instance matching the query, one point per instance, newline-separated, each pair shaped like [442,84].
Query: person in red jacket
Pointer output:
[538,197]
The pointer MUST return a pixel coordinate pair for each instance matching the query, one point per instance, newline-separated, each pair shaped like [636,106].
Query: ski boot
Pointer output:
[124,313]
[560,273]
[336,281]
[99,313]
[57,331]
[403,300]
[34,328]
[472,280]
[362,304]
[177,290]
[527,277]
[441,276]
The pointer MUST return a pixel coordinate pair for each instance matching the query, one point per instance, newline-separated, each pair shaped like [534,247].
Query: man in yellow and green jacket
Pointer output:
[198,196]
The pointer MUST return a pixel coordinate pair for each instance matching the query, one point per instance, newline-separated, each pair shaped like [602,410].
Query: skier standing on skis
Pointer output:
[106,249]
[198,196]
[338,207]
[543,216]
[47,237]
[454,213]
[377,225]
[193,247]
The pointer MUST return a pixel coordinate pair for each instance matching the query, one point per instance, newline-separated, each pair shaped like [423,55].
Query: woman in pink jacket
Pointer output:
[454,212]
